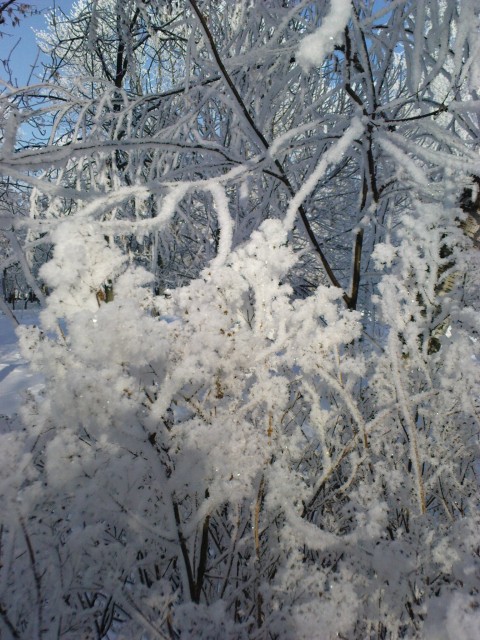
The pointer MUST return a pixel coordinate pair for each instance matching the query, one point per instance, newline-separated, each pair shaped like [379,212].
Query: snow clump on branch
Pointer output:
[315,47]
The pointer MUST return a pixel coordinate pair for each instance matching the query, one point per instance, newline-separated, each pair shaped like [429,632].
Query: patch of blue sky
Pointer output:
[20,56]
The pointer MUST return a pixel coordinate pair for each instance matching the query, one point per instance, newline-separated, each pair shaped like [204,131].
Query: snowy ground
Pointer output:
[15,377]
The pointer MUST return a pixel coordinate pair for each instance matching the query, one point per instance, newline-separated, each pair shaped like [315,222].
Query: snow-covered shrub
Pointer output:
[222,462]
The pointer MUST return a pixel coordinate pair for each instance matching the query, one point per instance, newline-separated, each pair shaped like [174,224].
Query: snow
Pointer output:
[225,222]
[15,376]
[316,46]
[237,439]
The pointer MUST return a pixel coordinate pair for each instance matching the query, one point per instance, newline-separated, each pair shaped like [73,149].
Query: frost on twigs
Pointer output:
[224,449]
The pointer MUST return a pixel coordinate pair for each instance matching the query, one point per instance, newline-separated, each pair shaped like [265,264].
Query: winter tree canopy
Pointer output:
[252,227]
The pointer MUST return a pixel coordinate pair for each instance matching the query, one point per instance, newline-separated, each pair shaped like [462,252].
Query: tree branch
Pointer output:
[184,550]
[202,563]
[266,145]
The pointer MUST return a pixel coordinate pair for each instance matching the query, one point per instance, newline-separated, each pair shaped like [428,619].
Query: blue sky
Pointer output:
[18,43]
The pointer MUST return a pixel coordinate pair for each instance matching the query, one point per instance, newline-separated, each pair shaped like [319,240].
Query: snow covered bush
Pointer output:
[222,461]
[241,434]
